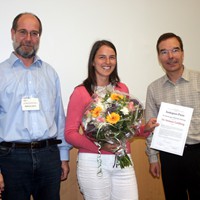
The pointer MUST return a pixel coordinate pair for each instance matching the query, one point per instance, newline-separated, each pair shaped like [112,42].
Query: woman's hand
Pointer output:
[150,125]
[110,147]
[146,130]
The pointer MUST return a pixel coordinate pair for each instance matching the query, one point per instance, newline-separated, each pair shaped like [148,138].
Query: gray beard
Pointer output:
[25,54]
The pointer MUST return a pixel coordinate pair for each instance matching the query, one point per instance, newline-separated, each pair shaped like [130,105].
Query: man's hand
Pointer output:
[65,170]
[155,169]
[1,184]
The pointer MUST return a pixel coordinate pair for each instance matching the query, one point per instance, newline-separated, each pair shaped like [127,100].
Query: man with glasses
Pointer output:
[180,86]
[33,151]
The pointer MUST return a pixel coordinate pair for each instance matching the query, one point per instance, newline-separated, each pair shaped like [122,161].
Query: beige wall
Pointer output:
[149,188]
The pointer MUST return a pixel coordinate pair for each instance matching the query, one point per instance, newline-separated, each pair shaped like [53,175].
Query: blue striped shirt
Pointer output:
[37,81]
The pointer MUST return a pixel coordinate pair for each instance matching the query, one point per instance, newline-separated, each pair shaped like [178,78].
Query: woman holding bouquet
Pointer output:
[99,177]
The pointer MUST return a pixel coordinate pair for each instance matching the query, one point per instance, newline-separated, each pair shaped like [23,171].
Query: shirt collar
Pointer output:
[185,76]
[14,61]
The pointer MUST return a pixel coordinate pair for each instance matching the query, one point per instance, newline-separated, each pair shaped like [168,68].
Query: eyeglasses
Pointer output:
[24,33]
[173,51]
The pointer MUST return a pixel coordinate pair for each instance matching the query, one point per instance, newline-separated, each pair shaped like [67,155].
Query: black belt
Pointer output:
[31,145]
[192,146]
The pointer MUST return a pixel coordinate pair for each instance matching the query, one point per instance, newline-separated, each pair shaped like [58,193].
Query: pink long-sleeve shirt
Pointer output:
[78,102]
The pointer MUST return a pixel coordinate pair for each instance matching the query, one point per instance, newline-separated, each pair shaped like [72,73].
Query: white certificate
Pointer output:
[170,136]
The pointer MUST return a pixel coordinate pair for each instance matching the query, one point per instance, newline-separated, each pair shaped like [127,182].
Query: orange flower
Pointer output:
[115,96]
[96,111]
[113,118]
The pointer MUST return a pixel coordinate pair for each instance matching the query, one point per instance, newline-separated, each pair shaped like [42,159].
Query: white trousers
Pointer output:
[114,183]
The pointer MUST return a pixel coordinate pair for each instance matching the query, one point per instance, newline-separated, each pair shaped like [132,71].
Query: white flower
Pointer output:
[102,106]
[109,100]
[125,111]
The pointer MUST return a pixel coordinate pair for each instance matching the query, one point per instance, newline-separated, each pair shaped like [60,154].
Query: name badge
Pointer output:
[30,104]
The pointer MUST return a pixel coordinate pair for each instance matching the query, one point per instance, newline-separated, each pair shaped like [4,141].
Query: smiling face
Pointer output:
[170,55]
[104,63]
[26,37]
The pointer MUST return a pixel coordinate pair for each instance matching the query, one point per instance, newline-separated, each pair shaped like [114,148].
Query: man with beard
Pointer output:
[34,154]
[180,86]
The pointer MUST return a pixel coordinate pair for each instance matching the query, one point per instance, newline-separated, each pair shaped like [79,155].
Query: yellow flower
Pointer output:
[113,118]
[96,111]
[116,97]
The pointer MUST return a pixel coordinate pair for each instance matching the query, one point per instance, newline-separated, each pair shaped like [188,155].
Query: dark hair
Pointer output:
[166,36]
[16,19]
[91,81]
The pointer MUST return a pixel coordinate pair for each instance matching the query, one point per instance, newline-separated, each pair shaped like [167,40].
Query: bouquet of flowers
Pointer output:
[113,119]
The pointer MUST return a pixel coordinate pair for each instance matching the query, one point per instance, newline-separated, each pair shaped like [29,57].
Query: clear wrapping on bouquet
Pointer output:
[113,118]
